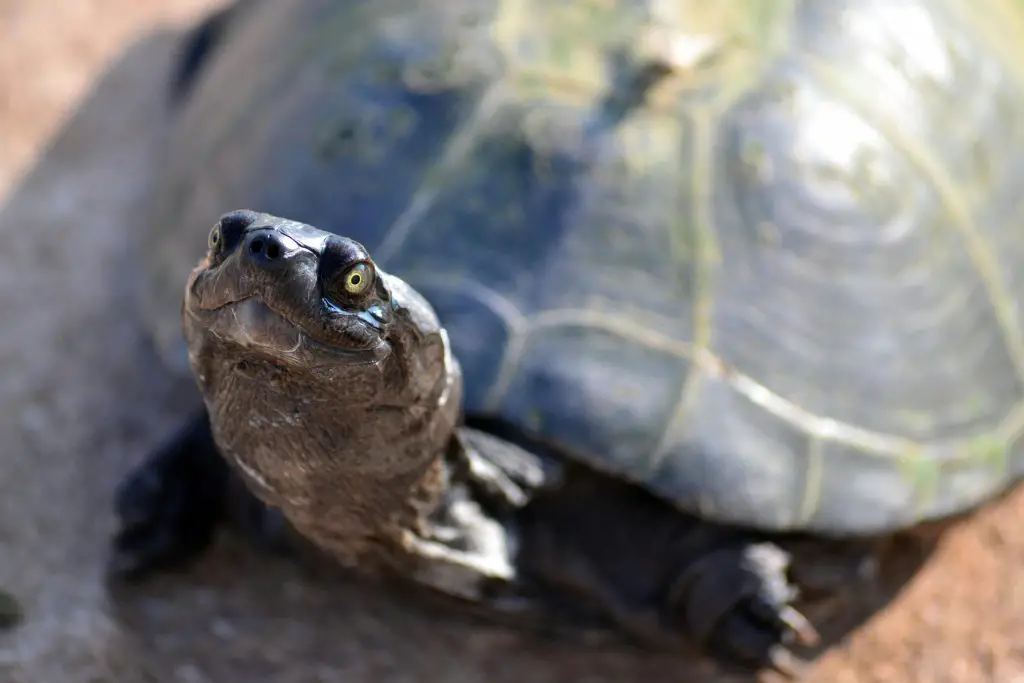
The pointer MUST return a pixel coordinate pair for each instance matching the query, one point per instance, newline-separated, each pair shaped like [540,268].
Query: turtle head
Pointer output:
[277,290]
[318,369]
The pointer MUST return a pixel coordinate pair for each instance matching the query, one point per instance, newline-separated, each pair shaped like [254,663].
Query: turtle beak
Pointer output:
[264,258]
[254,274]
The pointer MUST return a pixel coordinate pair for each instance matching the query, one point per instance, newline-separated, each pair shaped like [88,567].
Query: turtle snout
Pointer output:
[256,238]
[268,249]
[254,255]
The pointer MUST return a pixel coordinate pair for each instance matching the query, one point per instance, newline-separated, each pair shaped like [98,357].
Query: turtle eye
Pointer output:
[215,240]
[347,273]
[357,279]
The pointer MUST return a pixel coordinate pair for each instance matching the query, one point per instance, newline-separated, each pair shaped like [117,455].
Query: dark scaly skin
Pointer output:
[341,411]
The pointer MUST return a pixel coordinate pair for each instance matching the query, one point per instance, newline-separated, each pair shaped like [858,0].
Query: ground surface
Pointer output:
[81,398]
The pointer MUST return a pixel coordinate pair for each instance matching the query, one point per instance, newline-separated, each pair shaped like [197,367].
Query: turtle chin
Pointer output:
[252,324]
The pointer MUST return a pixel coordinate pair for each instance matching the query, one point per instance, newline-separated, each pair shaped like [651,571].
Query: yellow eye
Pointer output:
[358,278]
[214,240]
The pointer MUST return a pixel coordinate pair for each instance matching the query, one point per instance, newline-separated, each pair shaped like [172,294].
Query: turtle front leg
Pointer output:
[470,543]
[169,507]
[664,577]
[544,541]
[667,577]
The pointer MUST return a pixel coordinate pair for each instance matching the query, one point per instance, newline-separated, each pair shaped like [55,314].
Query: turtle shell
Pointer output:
[779,285]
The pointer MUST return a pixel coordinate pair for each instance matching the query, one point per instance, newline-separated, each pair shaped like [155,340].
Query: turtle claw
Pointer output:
[750,642]
[799,625]
[736,603]
[785,662]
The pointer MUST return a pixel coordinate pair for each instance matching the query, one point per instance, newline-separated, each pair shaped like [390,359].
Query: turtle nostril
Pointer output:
[265,248]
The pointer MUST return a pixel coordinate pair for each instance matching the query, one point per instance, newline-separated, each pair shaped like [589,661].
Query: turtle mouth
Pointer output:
[251,323]
[255,325]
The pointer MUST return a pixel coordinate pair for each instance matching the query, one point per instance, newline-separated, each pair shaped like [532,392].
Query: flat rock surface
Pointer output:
[82,398]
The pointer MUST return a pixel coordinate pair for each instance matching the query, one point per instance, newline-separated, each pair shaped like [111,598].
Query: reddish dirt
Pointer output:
[961,619]
[49,55]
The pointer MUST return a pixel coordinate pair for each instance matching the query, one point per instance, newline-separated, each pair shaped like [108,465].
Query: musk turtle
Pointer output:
[609,300]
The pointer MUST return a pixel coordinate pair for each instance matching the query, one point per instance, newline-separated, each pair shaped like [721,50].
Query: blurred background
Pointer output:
[82,397]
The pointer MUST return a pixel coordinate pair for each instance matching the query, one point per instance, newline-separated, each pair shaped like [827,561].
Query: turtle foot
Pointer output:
[736,603]
[169,506]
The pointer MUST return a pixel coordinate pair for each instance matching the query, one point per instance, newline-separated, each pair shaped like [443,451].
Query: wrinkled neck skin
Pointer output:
[352,454]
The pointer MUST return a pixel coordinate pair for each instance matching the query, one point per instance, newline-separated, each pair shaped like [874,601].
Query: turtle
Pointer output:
[654,315]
